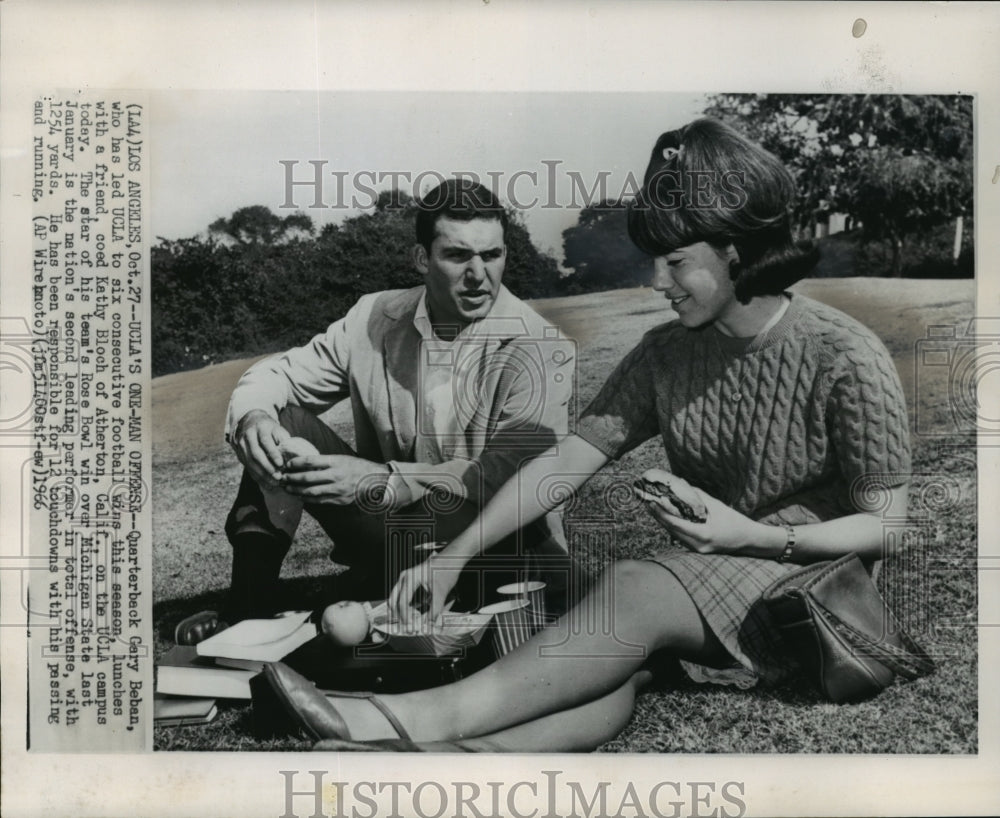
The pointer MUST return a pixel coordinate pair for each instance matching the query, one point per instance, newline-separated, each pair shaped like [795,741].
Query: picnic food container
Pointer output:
[452,633]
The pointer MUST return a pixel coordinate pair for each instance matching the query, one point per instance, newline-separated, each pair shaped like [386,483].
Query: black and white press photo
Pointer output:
[657,375]
[498,409]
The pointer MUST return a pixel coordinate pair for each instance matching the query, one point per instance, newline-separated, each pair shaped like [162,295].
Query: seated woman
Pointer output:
[774,407]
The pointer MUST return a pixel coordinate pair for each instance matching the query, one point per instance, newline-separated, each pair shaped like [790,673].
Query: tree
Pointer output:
[254,284]
[896,195]
[598,250]
[371,251]
[910,155]
[530,273]
[189,299]
[256,224]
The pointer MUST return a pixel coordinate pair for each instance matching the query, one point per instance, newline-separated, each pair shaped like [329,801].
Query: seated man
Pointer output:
[452,384]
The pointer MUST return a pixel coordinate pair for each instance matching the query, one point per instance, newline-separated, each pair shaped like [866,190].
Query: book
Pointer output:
[256,665]
[182,672]
[181,711]
[256,641]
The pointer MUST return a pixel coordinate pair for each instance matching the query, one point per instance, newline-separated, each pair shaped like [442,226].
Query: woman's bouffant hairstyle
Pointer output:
[707,183]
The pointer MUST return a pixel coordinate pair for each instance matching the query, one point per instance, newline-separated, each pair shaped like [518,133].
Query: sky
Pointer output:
[214,152]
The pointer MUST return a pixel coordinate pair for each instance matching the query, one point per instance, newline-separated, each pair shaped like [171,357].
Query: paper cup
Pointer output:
[512,624]
[534,592]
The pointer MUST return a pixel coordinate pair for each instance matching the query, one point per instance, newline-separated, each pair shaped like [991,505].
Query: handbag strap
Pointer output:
[910,665]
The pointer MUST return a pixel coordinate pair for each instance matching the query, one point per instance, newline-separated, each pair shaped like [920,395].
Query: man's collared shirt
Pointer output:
[449,386]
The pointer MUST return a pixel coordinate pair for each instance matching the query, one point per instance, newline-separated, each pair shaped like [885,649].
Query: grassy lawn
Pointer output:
[932,586]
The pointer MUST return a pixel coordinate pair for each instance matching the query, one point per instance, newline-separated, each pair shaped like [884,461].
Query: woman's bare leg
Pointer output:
[577,730]
[650,609]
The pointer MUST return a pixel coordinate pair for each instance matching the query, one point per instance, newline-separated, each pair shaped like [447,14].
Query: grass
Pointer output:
[932,587]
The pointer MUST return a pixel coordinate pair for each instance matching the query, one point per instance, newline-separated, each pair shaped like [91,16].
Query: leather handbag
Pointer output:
[836,624]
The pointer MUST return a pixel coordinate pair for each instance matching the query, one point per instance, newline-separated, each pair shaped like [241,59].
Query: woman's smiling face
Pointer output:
[696,280]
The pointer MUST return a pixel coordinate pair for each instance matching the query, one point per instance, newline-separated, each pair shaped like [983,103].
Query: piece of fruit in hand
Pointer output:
[677,491]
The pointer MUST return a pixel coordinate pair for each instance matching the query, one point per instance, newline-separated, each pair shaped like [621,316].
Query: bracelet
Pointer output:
[789,544]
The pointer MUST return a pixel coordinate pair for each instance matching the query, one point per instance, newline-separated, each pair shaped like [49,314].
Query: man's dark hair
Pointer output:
[461,199]
[708,183]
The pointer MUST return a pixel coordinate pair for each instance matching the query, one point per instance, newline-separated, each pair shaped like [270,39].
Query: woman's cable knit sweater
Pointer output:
[803,424]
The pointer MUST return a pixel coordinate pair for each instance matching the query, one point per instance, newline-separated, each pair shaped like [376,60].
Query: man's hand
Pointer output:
[258,446]
[336,479]
[436,576]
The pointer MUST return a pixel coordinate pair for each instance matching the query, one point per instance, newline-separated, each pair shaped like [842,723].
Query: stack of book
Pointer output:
[221,666]
[182,711]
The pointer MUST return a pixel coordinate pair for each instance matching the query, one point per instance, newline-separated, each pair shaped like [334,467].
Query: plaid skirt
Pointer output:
[728,592]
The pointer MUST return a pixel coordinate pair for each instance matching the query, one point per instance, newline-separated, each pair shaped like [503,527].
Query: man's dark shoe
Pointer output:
[198,627]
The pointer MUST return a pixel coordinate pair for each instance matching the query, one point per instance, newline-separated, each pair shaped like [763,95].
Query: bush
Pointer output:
[924,255]
[600,253]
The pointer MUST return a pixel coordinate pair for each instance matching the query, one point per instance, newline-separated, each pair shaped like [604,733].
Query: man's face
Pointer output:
[463,270]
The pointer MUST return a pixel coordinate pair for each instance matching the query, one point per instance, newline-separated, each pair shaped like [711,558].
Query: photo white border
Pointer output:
[499,45]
